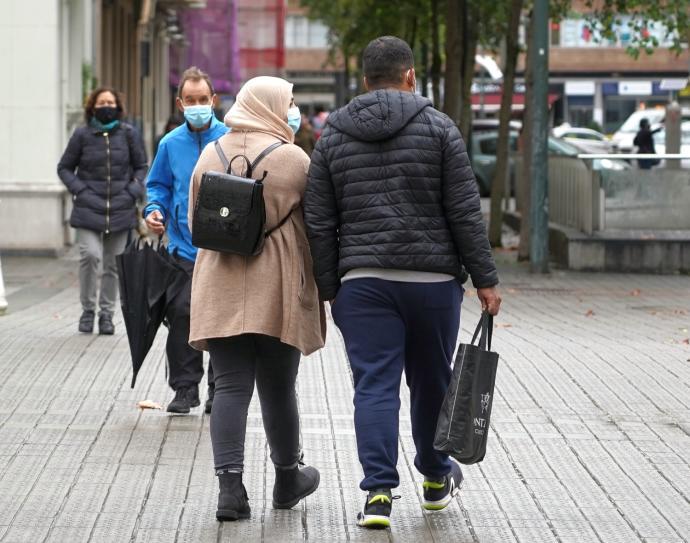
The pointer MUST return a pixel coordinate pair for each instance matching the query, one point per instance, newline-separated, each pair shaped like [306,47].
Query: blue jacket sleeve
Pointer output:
[159,183]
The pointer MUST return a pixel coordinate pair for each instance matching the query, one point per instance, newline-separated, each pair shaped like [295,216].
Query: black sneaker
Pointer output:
[209,400]
[86,322]
[180,403]
[105,325]
[193,396]
[377,509]
[439,493]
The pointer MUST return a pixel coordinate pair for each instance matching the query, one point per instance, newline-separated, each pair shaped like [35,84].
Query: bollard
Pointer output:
[672,127]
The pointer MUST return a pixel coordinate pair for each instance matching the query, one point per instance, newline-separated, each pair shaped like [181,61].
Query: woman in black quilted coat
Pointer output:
[103,167]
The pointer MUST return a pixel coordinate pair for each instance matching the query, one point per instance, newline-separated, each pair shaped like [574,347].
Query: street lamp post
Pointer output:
[539,235]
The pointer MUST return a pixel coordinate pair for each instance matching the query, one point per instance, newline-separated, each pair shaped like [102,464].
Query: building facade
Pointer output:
[600,83]
[49,63]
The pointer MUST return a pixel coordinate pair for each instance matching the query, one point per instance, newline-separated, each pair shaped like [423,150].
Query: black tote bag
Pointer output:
[463,423]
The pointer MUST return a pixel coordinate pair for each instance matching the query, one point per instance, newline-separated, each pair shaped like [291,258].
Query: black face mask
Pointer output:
[105,114]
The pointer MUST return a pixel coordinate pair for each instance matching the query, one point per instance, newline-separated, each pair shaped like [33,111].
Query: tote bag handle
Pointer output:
[486,327]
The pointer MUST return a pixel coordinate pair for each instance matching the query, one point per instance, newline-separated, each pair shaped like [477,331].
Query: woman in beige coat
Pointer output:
[256,314]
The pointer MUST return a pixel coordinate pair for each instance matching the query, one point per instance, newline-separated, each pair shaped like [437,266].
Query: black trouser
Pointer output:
[238,363]
[185,364]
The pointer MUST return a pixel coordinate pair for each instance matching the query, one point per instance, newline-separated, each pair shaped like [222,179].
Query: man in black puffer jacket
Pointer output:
[394,222]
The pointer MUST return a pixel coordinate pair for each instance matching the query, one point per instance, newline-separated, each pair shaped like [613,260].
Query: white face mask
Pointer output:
[294,118]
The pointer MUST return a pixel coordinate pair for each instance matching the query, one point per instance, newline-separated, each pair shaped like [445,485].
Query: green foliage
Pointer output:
[88,80]
[670,16]
[354,23]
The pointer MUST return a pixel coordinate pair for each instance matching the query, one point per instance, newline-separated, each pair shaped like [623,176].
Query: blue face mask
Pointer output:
[294,118]
[198,116]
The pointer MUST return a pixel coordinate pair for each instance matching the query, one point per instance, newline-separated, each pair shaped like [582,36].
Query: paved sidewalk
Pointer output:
[590,434]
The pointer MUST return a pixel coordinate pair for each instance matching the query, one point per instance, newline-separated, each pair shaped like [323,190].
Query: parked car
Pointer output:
[624,136]
[660,143]
[484,145]
[483,157]
[491,125]
[561,147]
[586,139]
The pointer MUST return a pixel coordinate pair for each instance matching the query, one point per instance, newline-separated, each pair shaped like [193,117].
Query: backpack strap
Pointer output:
[250,166]
[281,223]
[263,155]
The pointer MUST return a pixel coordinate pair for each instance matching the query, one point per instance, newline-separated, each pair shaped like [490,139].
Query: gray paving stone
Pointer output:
[590,434]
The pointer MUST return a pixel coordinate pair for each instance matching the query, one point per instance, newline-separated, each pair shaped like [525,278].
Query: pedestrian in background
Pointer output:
[171,124]
[318,121]
[644,141]
[394,222]
[255,314]
[167,189]
[304,138]
[103,167]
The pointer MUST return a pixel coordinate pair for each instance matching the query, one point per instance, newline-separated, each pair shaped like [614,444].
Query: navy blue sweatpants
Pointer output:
[389,327]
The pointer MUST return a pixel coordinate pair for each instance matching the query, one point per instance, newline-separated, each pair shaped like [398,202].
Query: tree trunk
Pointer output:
[526,151]
[470,19]
[503,147]
[435,55]
[451,101]
[425,69]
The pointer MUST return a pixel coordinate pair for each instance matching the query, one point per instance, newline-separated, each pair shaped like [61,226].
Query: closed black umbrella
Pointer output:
[147,275]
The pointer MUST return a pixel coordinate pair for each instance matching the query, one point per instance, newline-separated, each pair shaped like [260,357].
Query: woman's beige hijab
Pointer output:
[262,105]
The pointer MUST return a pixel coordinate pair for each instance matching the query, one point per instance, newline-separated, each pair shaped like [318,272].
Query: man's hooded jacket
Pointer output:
[390,186]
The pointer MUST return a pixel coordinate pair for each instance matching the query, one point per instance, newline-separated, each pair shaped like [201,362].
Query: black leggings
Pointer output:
[238,362]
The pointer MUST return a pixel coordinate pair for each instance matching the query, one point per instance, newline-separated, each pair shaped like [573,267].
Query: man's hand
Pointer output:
[154,221]
[490,299]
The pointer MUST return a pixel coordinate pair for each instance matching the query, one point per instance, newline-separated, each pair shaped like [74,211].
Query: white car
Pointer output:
[590,141]
[660,143]
[624,136]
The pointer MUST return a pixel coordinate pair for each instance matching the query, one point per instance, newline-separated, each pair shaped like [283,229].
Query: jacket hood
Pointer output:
[378,115]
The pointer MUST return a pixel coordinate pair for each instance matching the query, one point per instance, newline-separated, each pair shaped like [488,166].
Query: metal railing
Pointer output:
[590,199]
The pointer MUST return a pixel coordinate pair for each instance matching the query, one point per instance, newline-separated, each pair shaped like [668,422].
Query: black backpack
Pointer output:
[229,212]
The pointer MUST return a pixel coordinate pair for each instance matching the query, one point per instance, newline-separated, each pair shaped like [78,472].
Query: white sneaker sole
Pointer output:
[373,521]
[441,504]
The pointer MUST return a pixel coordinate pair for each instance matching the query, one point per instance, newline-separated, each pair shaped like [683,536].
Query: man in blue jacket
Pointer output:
[167,189]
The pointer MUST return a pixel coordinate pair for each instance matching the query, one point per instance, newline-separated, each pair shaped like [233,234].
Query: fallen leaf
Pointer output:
[589,313]
[148,404]
[635,292]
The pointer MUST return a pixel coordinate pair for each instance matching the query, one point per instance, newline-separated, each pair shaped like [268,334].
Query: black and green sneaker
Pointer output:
[377,509]
[439,493]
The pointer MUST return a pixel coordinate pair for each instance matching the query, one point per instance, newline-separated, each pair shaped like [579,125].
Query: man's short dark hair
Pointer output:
[385,61]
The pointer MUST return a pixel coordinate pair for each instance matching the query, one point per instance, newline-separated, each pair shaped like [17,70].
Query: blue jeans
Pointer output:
[389,327]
